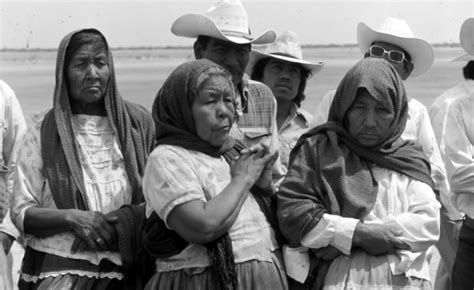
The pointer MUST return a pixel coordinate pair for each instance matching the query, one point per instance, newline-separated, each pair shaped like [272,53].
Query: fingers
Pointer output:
[79,245]
[399,244]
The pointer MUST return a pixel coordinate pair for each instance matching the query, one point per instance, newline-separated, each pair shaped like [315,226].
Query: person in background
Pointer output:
[77,187]
[13,127]
[451,218]
[204,194]
[223,36]
[282,68]
[357,204]
[459,158]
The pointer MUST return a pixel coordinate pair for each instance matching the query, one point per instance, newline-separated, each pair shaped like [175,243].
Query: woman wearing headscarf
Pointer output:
[357,204]
[198,185]
[79,167]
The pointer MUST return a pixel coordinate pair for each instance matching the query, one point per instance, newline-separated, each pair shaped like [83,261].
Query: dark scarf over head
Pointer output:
[175,126]
[172,113]
[331,172]
[134,128]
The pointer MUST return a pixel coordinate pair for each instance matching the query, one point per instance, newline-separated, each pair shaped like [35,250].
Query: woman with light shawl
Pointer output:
[357,205]
[79,172]
[198,185]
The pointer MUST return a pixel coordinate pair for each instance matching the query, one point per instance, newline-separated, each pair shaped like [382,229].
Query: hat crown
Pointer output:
[466,36]
[230,17]
[286,44]
[397,27]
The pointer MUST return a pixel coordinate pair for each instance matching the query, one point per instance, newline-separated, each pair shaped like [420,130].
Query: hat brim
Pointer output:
[193,25]
[466,36]
[466,57]
[421,52]
[255,56]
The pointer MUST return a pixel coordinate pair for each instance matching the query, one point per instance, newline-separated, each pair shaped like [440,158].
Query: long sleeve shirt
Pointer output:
[459,144]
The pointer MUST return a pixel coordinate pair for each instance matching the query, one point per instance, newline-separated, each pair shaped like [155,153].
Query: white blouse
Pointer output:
[106,183]
[175,175]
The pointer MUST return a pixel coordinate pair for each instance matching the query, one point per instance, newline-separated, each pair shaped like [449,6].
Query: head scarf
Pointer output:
[343,180]
[172,112]
[132,125]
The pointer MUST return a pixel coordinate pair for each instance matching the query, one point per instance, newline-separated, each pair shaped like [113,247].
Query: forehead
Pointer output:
[277,61]
[219,42]
[90,49]
[389,46]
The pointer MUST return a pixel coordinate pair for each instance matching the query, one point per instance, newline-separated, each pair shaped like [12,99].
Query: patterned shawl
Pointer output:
[331,172]
[132,125]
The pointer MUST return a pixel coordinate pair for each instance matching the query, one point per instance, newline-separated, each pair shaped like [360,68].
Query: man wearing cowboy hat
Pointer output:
[282,68]
[410,56]
[454,122]
[223,36]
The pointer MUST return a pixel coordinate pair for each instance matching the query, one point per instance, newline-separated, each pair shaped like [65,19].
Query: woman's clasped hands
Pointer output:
[255,165]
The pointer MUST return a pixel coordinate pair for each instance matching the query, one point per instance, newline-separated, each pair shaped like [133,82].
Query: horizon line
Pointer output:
[331,45]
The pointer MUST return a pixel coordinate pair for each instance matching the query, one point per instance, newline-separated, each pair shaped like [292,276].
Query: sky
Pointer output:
[42,24]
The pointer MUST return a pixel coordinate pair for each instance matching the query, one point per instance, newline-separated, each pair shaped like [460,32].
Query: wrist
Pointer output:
[358,234]
[246,180]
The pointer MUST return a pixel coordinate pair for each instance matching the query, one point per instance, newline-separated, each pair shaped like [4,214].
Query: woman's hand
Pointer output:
[95,230]
[328,253]
[378,239]
[255,165]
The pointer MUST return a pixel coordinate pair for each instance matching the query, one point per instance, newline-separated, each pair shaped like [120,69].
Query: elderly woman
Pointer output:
[282,68]
[229,243]
[356,195]
[78,165]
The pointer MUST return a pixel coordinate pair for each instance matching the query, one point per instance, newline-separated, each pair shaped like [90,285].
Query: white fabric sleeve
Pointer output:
[332,230]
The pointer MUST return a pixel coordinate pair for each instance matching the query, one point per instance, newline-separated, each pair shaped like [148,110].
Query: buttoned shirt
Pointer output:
[459,142]
[297,123]
[257,122]
[438,114]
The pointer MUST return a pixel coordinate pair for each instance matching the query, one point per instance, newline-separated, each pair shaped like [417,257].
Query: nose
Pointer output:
[231,62]
[370,119]
[92,72]
[222,110]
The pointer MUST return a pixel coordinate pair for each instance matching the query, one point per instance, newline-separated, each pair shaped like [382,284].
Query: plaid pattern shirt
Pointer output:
[257,120]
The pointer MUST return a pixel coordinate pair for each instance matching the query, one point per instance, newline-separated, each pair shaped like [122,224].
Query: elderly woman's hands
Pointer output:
[255,165]
[377,239]
[94,230]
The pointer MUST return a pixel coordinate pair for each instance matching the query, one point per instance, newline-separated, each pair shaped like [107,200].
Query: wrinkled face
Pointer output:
[213,110]
[368,119]
[283,78]
[88,74]
[233,57]
[404,68]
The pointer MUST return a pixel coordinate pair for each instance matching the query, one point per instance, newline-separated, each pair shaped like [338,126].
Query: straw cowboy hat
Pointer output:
[466,38]
[397,32]
[286,48]
[226,20]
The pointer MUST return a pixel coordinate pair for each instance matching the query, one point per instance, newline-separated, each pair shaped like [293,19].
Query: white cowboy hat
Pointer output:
[226,20]
[466,38]
[397,32]
[286,48]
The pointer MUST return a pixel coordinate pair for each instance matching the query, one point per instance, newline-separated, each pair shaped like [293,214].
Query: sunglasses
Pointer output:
[393,55]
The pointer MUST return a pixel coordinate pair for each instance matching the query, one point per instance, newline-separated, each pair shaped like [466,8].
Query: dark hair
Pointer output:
[257,74]
[468,70]
[82,38]
[203,40]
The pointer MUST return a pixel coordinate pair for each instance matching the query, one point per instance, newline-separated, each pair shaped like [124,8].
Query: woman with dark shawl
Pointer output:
[357,205]
[79,171]
[189,184]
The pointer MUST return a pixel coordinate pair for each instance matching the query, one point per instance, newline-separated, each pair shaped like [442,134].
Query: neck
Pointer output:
[96,109]
[283,110]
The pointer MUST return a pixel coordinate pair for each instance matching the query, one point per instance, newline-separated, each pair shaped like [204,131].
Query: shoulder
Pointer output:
[258,88]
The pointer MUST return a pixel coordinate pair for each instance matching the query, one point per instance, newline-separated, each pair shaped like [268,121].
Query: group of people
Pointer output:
[228,183]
